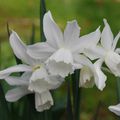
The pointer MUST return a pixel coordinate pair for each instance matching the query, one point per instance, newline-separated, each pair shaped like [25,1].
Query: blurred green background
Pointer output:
[21,14]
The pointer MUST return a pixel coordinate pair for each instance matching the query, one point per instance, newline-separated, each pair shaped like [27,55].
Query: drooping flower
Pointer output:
[115,109]
[90,73]
[60,48]
[35,78]
[107,50]
[43,100]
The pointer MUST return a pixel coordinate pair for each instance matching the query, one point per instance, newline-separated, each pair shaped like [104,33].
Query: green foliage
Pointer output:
[89,14]
[4,111]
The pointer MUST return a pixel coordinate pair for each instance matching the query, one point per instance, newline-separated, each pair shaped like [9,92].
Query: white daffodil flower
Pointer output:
[107,50]
[43,100]
[90,73]
[115,109]
[35,75]
[61,47]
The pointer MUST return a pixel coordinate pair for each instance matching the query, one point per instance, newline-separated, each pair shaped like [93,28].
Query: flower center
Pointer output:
[35,68]
[108,53]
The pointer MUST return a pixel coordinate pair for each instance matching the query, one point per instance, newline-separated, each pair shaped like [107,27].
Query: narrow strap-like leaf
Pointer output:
[4,111]
[8,31]
[69,102]
[118,89]
[76,94]
[96,115]
[42,12]
[32,39]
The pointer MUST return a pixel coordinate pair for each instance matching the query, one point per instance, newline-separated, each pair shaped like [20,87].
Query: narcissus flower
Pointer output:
[90,73]
[35,78]
[60,48]
[43,100]
[107,50]
[115,109]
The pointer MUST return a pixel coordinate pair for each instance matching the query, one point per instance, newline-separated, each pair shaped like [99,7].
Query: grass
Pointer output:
[89,13]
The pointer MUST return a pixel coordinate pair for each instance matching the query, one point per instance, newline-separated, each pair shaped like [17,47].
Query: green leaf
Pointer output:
[4,111]
[118,89]
[42,12]
[32,39]
[69,102]
[76,94]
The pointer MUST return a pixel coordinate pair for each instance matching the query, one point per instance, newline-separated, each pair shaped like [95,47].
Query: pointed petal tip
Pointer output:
[48,13]
[105,21]
[12,33]
[75,23]
[99,27]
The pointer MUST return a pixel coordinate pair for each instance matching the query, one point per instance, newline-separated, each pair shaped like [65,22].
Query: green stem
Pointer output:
[76,94]
[4,111]
[96,115]
[32,39]
[69,102]
[42,12]
[118,89]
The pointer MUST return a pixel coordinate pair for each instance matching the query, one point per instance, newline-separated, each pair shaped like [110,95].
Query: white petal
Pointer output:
[54,81]
[115,41]
[16,81]
[100,77]
[39,86]
[40,50]
[38,81]
[18,68]
[71,33]
[82,60]
[112,60]
[61,63]
[43,101]
[87,41]
[16,93]
[115,109]
[86,77]
[52,32]
[19,48]
[86,74]
[106,36]
[95,52]
[43,83]
[39,74]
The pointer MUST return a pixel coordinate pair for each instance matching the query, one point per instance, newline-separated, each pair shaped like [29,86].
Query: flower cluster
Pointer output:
[46,64]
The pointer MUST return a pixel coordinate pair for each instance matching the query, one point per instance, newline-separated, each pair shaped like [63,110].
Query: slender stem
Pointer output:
[4,111]
[96,115]
[69,102]
[106,70]
[76,94]
[118,89]
[32,39]
[42,12]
